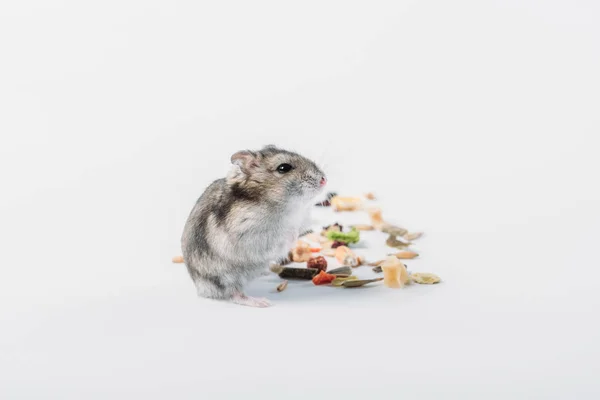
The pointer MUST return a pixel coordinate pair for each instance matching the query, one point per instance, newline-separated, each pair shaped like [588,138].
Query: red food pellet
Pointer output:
[319,263]
[323,278]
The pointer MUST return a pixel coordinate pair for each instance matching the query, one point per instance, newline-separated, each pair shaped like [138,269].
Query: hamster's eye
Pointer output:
[283,168]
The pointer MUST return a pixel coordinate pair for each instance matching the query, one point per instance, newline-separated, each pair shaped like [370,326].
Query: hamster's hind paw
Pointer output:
[244,300]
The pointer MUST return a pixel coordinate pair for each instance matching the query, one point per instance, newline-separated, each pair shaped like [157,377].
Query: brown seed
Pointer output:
[281,287]
[393,241]
[393,230]
[359,282]
[178,259]
[370,196]
[341,271]
[406,255]
[410,236]
[363,227]
[340,280]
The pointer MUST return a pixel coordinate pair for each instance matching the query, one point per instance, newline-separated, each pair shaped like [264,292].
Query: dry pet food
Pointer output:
[342,271]
[298,273]
[346,203]
[424,278]
[393,241]
[376,219]
[413,236]
[395,274]
[406,255]
[301,253]
[359,282]
[323,278]
[281,287]
[346,257]
[178,259]
[370,196]
[363,227]
[393,230]
[345,237]
[340,280]
[319,263]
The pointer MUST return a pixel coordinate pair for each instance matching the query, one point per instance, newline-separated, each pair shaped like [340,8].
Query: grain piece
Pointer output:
[298,273]
[425,278]
[394,273]
[394,230]
[341,271]
[410,236]
[178,259]
[393,241]
[359,282]
[282,286]
[370,196]
[340,280]
[405,255]
[346,257]
[346,203]
[363,227]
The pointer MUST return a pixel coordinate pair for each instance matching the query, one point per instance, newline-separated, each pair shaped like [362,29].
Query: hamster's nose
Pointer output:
[323,181]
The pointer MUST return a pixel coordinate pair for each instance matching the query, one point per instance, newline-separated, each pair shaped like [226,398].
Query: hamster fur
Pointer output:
[251,218]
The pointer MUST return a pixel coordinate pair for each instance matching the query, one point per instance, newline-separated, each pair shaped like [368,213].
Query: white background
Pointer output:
[475,121]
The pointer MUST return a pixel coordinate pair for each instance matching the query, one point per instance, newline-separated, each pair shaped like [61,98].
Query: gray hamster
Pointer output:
[249,219]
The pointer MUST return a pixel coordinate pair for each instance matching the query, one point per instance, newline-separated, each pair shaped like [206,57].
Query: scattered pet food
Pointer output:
[376,219]
[359,282]
[340,280]
[298,273]
[178,259]
[370,196]
[345,237]
[301,253]
[395,274]
[313,237]
[346,203]
[319,263]
[413,236]
[424,278]
[341,271]
[346,257]
[323,278]
[377,269]
[336,244]
[363,227]
[393,230]
[328,252]
[393,241]
[276,268]
[405,255]
[282,286]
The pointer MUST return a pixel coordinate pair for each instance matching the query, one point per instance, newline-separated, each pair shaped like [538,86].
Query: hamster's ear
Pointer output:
[246,160]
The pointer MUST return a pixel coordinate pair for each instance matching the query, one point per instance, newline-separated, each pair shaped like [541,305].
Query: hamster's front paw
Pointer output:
[244,300]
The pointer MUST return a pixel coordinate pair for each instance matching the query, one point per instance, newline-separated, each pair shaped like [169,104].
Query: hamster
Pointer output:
[249,219]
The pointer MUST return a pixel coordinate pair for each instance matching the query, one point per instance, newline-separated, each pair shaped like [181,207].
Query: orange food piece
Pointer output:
[315,249]
[323,278]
